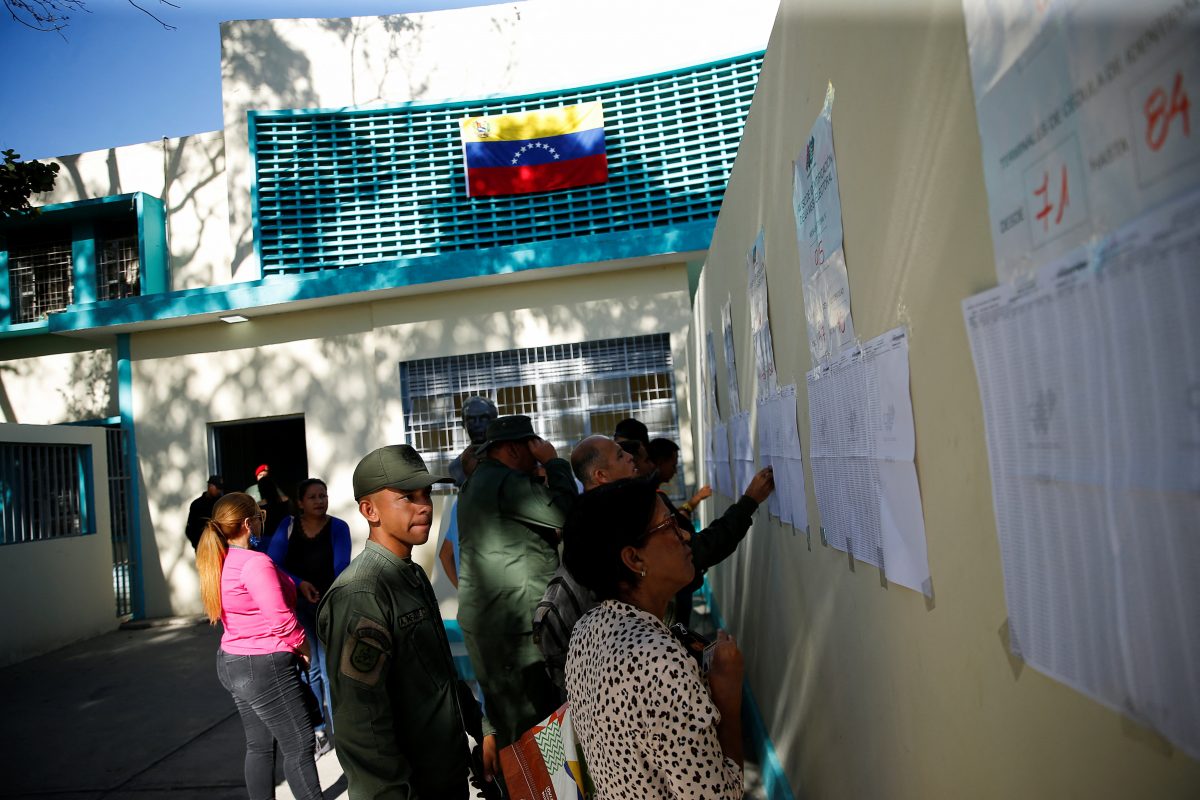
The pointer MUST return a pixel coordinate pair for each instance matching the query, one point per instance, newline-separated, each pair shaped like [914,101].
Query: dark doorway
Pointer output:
[239,447]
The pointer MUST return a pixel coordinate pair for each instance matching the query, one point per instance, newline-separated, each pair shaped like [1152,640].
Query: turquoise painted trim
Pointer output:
[153,256]
[20,329]
[83,261]
[5,305]
[255,217]
[82,215]
[278,290]
[775,782]
[491,98]
[87,494]
[68,212]
[125,406]
[94,423]
[462,663]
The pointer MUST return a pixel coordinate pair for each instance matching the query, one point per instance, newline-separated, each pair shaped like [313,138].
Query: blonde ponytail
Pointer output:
[227,517]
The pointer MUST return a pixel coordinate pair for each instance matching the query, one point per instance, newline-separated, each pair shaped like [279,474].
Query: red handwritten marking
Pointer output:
[1159,116]
[1064,199]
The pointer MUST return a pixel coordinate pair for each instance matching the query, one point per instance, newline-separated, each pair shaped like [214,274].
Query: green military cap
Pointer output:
[512,428]
[396,466]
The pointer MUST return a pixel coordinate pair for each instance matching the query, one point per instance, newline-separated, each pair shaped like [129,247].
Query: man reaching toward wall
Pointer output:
[598,460]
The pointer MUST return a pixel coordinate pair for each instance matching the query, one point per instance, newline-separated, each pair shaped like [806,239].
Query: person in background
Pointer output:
[271,500]
[664,454]
[200,511]
[641,459]
[401,713]
[261,471]
[313,548]
[263,648]
[654,721]
[631,430]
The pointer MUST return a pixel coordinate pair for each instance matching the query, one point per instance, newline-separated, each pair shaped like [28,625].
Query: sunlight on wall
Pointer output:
[339,368]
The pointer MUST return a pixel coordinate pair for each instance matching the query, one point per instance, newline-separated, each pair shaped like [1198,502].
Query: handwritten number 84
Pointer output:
[1159,115]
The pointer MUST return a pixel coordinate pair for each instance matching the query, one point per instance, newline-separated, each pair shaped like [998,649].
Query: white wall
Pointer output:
[61,590]
[339,367]
[187,174]
[459,54]
[44,382]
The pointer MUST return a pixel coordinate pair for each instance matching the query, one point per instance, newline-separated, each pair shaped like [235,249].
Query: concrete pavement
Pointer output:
[137,714]
[134,714]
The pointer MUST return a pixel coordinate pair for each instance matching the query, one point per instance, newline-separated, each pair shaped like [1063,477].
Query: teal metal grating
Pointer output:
[338,189]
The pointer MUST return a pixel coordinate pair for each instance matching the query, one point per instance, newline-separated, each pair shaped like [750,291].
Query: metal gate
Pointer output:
[120,510]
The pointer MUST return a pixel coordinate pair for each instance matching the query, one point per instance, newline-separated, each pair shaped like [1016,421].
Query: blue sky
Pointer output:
[120,78]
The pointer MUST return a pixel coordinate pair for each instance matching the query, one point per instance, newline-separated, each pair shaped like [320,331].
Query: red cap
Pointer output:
[260,470]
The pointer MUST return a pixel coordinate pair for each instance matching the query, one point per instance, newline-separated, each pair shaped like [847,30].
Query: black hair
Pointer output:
[660,450]
[304,485]
[631,446]
[630,428]
[603,522]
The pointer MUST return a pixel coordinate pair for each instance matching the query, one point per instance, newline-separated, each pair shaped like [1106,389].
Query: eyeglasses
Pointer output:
[671,522]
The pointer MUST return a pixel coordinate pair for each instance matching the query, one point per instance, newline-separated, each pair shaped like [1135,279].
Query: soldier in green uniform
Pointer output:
[508,529]
[400,713]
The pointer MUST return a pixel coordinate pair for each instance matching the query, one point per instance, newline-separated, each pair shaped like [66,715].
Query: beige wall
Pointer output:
[873,691]
[340,368]
[45,381]
[187,174]
[459,54]
[60,590]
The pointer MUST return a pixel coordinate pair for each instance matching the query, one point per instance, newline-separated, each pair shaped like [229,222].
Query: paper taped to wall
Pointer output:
[862,451]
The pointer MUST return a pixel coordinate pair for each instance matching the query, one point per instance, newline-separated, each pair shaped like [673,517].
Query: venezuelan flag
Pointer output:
[535,151]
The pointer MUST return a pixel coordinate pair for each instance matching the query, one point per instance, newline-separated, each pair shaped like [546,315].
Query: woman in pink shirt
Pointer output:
[263,648]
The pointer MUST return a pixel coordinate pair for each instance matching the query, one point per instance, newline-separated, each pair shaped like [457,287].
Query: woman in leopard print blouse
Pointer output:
[651,724]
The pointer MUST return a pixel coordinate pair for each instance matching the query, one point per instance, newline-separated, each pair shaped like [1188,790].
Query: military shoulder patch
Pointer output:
[365,651]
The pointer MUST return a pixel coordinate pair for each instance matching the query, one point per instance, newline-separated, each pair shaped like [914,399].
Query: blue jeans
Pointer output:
[316,677]
[269,696]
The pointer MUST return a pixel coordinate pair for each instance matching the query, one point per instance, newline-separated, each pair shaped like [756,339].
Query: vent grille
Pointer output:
[343,188]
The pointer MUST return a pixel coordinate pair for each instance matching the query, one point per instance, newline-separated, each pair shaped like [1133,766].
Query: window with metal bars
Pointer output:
[337,189]
[570,391]
[118,274]
[44,491]
[40,280]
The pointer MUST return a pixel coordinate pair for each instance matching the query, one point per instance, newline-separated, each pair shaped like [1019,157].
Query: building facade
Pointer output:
[330,214]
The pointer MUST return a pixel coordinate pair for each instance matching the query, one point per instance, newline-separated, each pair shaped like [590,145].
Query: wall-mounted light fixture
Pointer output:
[232,318]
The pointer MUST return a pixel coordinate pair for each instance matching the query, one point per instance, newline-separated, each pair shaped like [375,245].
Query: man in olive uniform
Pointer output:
[399,709]
[508,524]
